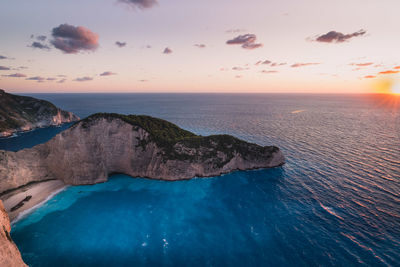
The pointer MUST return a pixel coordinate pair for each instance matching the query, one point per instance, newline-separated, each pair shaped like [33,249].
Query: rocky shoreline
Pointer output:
[23,113]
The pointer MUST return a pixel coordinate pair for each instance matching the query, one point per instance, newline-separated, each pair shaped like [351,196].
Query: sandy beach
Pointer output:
[27,197]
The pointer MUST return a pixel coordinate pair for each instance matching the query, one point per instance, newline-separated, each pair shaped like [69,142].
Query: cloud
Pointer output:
[143,80]
[247,41]
[235,30]
[4,68]
[71,39]
[107,73]
[297,65]
[15,75]
[389,72]
[275,64]
[361,64]
[265,62]
[251,46]
[369,76]
[338,37]
[120,44]
[62,75]
[41,38]
[167,50]
[242,39]
[62,81]
[83,79]
[397,68]
[36,78]
[239,68]
[39,46]
[200,45]
[4,57]
[141,4]
[51,79]
[269,71]
[238,76]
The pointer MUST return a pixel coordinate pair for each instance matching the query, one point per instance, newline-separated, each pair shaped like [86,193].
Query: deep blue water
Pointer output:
[335,202]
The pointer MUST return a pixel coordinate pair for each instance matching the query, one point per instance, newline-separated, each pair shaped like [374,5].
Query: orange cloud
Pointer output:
[397,68]
[389,72]
[369,76]
[361,64]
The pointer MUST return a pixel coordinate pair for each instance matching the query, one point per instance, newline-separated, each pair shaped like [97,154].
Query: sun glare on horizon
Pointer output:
[387,86]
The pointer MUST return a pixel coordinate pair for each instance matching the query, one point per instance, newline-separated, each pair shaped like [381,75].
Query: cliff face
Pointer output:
[22,113]
[9,253]
[138,146]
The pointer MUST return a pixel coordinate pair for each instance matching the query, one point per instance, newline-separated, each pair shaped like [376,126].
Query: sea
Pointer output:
[336,201]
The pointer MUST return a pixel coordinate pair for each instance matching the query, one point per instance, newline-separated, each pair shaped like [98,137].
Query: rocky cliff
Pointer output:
[22,113]
[9,253]
[139,146]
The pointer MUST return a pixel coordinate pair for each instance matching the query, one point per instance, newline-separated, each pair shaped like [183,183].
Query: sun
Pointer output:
[387,86]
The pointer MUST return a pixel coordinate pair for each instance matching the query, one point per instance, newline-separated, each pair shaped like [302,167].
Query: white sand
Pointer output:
[40,192]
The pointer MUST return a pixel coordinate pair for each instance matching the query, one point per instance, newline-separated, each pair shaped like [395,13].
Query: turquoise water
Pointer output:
[335,202]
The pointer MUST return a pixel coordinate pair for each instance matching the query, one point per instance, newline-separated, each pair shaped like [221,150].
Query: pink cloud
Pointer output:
[15,75]
[338,37]
[83,79]
[167,50]
[361,64]
[247,41]
[107,73]
[297,65]
[269,71]
[71,39]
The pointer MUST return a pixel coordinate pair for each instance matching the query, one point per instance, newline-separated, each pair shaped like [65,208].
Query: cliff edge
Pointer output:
[139,146]
[23,113]
[9,253]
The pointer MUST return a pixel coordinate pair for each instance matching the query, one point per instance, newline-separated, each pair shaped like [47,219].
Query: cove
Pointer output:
[134,221]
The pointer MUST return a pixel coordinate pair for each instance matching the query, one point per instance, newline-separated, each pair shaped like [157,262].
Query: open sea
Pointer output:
[336,202]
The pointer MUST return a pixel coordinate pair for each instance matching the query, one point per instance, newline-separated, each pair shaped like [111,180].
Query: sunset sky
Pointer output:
[342,46]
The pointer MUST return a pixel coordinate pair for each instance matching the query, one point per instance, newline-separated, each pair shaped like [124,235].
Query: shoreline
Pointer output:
[16,133]
[25,199]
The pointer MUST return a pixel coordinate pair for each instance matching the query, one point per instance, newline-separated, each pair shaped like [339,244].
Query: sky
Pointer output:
[255,46]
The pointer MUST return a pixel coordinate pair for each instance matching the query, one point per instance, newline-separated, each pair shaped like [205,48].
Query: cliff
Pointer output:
[22,113]
[139,146]
[9,253]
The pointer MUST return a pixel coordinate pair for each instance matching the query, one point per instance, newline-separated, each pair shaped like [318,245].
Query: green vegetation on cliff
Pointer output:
[180,144]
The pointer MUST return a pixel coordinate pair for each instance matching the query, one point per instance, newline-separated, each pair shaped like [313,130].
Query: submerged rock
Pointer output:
[23,113]
[139,146]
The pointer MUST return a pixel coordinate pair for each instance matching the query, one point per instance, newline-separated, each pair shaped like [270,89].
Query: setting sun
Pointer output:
[387,86]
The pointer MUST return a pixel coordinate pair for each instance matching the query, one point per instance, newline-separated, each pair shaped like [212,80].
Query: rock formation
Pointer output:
[139,146]
[22,113]
[9,253]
